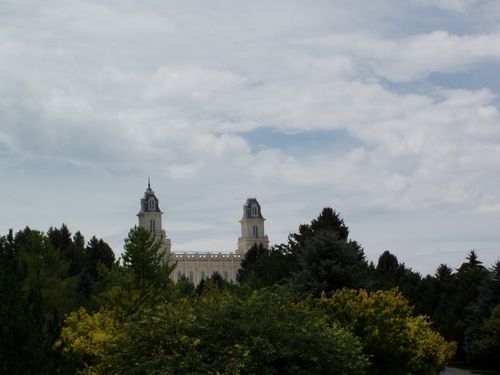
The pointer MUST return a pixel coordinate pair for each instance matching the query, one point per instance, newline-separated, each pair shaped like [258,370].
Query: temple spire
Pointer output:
[149,184]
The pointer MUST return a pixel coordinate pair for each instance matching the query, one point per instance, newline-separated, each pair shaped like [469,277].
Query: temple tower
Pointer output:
[150,218]
[252,227]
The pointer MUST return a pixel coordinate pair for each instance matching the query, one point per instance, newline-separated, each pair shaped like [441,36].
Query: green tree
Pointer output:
[251,257]
[318,257]
[261,267]
[327,263]
[144,258]
[142,280]
[388,270]
[128,291]
[389,274]
[214,281]
[445,286]
[469,276]
[488,297]
[223,334]
[61,240]
[395,341]
[328,220]
[97,252]
[35,293]
[485,348]
[87,339]
[21,339]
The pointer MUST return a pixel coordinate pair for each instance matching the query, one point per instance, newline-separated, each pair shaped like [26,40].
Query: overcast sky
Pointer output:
[386,111]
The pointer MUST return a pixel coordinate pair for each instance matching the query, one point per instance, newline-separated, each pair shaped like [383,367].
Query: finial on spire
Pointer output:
[149,184]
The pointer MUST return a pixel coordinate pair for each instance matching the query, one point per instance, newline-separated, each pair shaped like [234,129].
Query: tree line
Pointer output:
[311,305]
[463,305]
[43,278]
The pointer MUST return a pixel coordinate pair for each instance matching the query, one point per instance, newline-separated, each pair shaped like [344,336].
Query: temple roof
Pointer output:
[149,195]
[249,213]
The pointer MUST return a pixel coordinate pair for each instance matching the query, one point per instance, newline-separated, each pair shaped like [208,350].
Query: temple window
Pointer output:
[151,204]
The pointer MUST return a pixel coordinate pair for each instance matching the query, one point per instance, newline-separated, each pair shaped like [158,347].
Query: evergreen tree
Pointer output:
[21,340]
[389,273]
[34,297]
[143,257]
[445,288]
[457,293]
[74,253]
[470,276]
[328,220]
[79,240]
[250,258]
[483,350]
[327,263]
[142,280]
[261,267]
[97,252]
[388,270]
[488,297]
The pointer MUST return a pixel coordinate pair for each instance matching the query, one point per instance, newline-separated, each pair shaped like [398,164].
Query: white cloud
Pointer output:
[197,83]
[451,5]
[121,90]
[404,59]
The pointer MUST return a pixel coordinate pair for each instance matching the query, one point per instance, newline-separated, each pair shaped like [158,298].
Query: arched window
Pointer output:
[152,226]
[191,276]
[255,210]
[225,275]
[151,204]
[202,275]
[179,276]
[256,231]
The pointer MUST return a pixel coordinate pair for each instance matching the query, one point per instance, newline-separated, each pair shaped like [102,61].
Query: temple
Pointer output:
[197,266]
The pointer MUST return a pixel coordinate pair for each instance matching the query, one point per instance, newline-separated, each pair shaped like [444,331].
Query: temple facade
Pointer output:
[199,265]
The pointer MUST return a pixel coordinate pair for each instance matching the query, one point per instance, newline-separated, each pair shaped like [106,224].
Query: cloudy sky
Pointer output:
[385,110]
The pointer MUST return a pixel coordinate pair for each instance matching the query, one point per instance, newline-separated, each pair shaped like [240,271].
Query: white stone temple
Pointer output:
[197,266]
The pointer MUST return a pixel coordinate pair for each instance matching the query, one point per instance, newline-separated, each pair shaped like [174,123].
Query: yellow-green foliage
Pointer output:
[87,339]
[219,333]
[396,342]
[431,349]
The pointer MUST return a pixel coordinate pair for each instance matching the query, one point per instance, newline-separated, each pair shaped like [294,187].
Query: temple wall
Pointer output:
[196,266]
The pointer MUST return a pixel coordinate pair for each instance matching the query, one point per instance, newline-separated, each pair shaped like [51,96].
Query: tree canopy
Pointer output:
[310,305]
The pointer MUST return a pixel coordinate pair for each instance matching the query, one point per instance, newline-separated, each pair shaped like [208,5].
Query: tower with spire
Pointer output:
[252,227]
[197,266]
[150,218]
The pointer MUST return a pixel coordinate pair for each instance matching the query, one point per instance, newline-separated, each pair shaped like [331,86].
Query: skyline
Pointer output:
[386,112]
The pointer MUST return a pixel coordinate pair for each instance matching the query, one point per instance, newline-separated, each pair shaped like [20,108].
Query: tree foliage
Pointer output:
[327,221]
[87,339]
[221,334]
[319,257]
[484,349]
[395,341]
[300,307]
[261,267]
[142,280]
[40,279]
[328,263]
